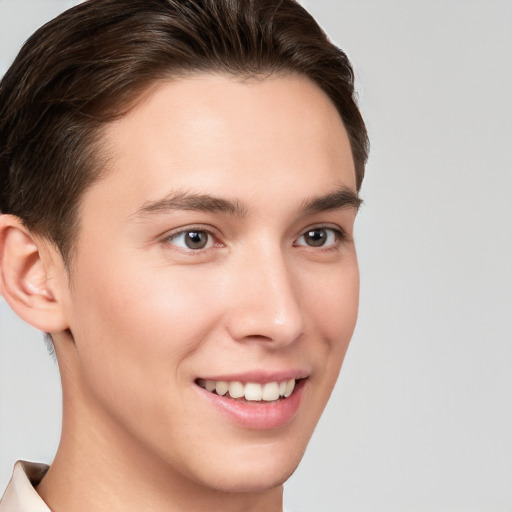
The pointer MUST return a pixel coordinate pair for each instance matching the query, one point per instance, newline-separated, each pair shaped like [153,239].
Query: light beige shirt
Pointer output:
[20,495]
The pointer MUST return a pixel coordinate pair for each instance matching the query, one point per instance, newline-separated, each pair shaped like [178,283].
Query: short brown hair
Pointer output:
[85,68]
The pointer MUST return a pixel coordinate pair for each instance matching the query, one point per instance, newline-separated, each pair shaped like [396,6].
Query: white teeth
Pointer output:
[221,387]
[270,391]
[252,391]
[236,389]
[290,386]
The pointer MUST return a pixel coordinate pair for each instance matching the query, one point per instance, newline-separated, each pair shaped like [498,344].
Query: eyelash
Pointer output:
[338,234]
[193,229]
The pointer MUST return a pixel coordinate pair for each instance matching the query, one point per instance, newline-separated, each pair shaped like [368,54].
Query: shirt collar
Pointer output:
[20,495]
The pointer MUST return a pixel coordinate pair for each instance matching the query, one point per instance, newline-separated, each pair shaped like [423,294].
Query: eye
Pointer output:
[320,237]
[193,239]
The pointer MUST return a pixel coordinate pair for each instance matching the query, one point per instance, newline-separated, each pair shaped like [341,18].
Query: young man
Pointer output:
[178,186]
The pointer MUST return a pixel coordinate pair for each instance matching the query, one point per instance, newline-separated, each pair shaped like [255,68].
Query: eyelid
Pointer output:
[175,233]
[340,234]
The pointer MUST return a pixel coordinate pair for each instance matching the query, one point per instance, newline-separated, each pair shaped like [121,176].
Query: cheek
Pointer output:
[333,313]
[134,325]
[130,300]
[333,302]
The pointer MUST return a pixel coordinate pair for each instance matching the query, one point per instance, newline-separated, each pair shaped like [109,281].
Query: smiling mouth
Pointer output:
[251,391]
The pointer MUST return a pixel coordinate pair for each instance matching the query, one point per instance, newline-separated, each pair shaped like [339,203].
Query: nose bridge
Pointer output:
[266,299]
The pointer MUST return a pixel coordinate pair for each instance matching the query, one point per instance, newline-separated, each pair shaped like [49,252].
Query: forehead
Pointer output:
[212,133]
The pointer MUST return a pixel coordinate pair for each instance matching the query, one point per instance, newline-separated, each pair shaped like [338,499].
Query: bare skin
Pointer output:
[217,246]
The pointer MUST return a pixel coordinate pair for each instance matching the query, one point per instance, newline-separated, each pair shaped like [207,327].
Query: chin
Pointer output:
[263,469]
[242,479]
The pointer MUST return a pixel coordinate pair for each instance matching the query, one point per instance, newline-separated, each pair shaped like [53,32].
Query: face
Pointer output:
[215,287]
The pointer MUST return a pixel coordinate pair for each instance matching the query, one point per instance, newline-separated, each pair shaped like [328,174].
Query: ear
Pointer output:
[31,276]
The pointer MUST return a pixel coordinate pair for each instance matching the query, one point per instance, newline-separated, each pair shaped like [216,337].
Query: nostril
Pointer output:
[259,337]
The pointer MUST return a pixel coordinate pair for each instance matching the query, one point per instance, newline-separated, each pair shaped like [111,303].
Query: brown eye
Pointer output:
[196,239]
[316,237]
[319,237]
[193,240]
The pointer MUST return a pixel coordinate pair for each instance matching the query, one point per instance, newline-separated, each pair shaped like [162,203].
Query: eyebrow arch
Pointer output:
[193,202]
[189,201]
[342,198]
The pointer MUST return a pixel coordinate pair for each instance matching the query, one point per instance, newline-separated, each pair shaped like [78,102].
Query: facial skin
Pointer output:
[262,301]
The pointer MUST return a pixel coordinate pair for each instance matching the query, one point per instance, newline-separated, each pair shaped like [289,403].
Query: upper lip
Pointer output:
[259,376]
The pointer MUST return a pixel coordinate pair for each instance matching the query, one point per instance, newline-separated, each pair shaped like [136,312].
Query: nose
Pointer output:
[265,301]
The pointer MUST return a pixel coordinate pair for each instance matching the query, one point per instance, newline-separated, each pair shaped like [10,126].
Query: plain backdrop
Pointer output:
[421,419]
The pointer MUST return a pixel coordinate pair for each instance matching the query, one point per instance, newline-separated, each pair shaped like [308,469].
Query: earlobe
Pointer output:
[26,280]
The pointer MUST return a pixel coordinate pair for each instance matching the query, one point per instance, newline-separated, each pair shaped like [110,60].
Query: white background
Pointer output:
[421,419]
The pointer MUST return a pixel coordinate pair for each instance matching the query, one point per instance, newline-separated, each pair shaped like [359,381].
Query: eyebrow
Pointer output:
[193,202]
[188,201]
[337,200]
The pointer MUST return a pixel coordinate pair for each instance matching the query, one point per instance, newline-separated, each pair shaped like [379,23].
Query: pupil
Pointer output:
[316,238]
[196,239]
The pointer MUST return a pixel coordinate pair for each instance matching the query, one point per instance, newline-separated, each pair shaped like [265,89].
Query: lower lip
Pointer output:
[258,415]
